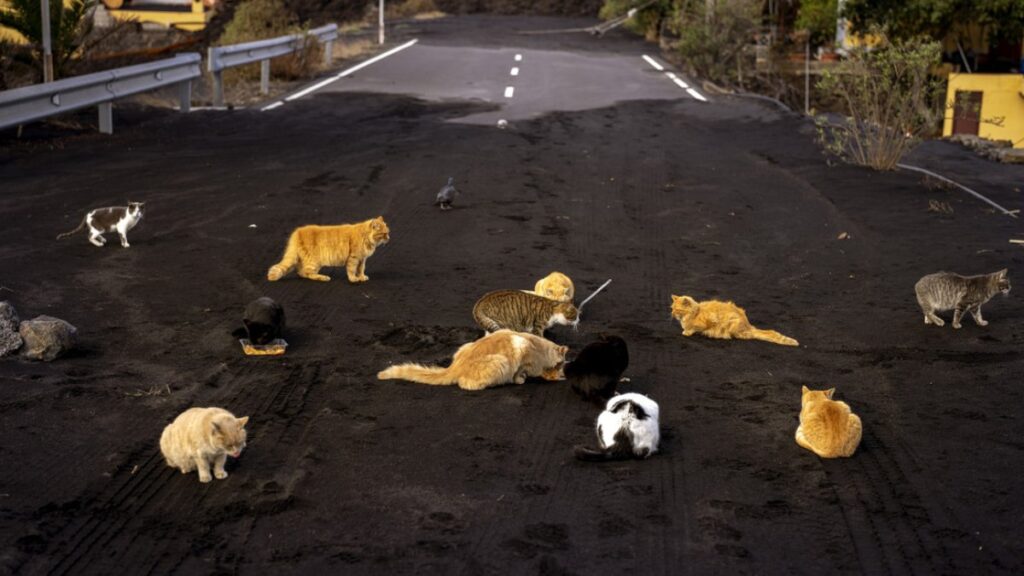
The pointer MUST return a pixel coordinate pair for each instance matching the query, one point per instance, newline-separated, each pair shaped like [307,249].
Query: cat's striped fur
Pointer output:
[949,291]
[522,312]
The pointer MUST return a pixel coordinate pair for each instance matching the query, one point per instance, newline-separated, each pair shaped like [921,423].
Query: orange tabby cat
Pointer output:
[201,436]
[725,320]
[827,427]
[313,247]
[498,358]
[556,286]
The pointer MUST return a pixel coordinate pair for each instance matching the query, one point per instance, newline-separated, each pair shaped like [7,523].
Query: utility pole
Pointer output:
[380,26]
[47,48]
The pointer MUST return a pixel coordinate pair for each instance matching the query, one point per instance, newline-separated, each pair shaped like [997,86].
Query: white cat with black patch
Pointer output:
[628,428]
[118,219]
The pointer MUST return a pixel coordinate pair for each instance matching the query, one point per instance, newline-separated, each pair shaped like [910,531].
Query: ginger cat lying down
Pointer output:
[313,247]
[498,358]
[827,427]
[725,320]
[556,286]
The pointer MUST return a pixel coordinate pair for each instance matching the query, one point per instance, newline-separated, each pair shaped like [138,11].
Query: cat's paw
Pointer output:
[220,474]
[956,325]
[205,478]
[982,322]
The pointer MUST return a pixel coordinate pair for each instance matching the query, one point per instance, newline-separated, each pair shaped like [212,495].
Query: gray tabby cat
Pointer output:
[114,218]
[949,291]
[522,312]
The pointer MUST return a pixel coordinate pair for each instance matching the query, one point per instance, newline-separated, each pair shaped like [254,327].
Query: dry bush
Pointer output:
[890,100]
[262,20]
[410,9]
[712,40]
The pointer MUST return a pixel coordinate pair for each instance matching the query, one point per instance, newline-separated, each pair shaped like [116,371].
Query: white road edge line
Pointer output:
[696,95]
[509,90]
[514,71]
[654,63]
[341,75]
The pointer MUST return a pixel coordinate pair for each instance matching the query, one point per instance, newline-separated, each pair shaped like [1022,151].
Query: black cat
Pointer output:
[264,321]
[595,372]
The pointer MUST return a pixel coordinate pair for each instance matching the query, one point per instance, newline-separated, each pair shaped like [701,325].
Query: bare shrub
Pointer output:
[712,39]
[261,20]
[410,9]
[890,100]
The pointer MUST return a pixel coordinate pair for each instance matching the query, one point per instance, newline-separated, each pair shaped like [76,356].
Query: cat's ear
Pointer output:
[563,350]
[829,393]
[804,389]
[676,298]
[216,429]
[688,301]
[1002,273]
[242,421]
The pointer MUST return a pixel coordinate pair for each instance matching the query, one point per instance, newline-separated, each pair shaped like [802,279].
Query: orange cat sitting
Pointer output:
[498,358]
[716,319]
[313,247]
[827,427]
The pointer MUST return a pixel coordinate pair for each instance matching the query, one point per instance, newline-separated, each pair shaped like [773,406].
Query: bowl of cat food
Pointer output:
[273,348]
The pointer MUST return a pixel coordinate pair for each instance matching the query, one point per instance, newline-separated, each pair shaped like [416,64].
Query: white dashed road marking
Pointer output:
[509,90]
[515,71]
[519,57]
[678,81]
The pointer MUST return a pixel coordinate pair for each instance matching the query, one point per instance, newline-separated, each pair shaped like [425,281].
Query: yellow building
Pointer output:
[988,105]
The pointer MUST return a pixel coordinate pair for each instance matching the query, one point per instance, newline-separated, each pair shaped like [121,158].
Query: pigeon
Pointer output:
[447,195]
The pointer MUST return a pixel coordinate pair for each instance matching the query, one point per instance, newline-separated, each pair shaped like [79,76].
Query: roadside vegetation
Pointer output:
[889,100]
[69,27]
[889,88]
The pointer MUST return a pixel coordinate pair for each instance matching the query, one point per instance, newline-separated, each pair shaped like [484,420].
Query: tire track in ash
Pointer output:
[909,523]
[294,418]
[135,500]
[670,524]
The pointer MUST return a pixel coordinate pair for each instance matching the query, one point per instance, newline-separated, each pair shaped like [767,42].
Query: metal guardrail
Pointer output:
[31,103]
[220,58]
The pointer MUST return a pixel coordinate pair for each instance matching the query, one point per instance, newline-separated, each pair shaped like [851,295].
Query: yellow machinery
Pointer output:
[190,16]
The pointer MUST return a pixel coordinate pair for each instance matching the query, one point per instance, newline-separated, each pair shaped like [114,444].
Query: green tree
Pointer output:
[904,19]
[68,26]
[819,18]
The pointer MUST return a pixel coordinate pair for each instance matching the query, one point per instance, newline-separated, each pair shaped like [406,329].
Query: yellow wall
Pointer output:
[1002,105]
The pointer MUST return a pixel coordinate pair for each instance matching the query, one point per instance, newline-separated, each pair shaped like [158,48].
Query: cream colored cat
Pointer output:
[498,358]
[717,319]
[827,427]
[199,437]
[556,286]
[313,247]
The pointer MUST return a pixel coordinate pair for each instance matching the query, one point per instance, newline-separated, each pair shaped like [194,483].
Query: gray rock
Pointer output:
[10,340]
[47,338]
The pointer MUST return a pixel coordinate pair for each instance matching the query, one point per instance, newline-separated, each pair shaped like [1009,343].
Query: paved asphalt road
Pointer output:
[608,169]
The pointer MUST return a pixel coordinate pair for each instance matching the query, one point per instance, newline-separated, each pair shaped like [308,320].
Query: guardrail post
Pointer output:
[185,96]
[106,118]
[265,76]
[218,88]
[328,52]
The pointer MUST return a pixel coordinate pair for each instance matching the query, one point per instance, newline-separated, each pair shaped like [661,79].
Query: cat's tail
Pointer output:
[434,375]
[288,261]
[771,336]
[66,234]
[596,455]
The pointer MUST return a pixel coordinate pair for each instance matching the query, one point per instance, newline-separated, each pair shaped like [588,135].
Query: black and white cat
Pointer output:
[118,219]
[628,428]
